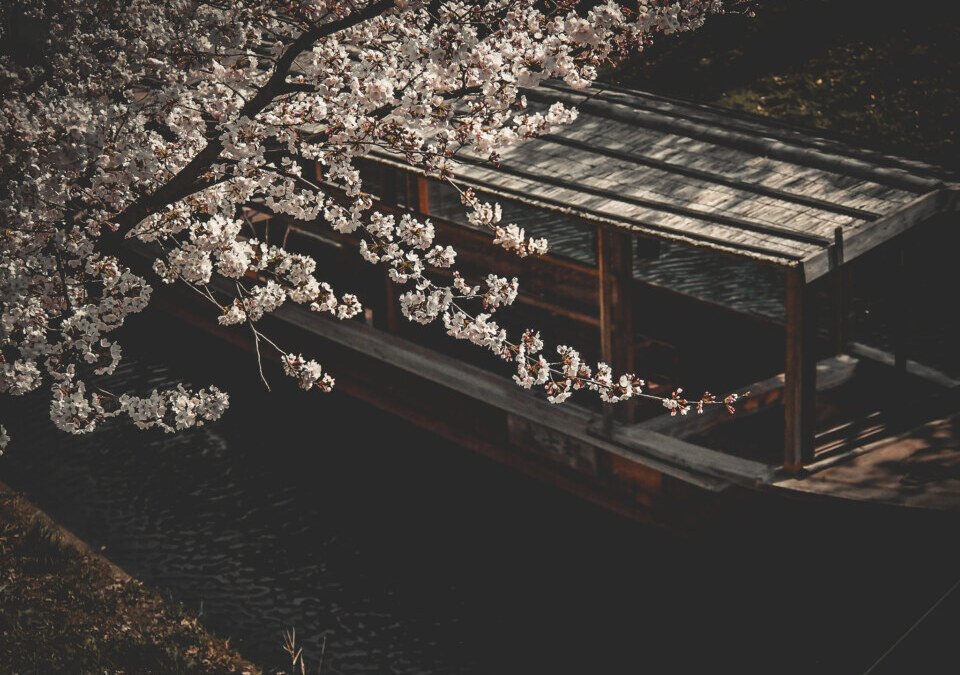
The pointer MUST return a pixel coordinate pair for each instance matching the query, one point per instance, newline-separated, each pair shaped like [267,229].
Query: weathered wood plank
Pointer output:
[753,124]
[560,448]
[498,185]
[759,144]
[867,237]
[491,390]
[715,214]
[831,373]
[729,162]
[912,368]
[695,457]
[714,177]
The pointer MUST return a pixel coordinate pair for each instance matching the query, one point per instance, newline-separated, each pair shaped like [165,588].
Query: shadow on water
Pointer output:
[413,556]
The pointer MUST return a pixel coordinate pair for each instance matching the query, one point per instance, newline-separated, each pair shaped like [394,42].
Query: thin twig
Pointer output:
[256,345]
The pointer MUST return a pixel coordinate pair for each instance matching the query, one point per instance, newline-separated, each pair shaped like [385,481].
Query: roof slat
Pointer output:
[736,164]
[820,139]
[760,145]
[724,243]
[736,223]
[715,177]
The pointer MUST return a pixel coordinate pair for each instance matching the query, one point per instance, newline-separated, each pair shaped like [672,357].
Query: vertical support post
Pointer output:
[901,330]
[423,195]
[615,267]
[800,373]
[839,296]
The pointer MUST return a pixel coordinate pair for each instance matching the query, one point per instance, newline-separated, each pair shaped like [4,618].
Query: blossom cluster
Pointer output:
[75,410]
[308,372]
[511,237]
[158,120]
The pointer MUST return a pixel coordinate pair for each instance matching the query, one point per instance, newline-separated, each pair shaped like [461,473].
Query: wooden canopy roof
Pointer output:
[713,178]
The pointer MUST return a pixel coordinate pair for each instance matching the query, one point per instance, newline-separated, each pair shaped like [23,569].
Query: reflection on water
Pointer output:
[413,556]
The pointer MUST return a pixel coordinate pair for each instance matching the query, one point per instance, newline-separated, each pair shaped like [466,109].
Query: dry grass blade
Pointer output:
[296,654]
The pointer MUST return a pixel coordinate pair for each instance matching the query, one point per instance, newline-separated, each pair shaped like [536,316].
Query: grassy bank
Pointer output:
[873,70]
[65,609]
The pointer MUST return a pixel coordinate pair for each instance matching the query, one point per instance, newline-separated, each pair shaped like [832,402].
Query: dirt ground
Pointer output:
[66,609]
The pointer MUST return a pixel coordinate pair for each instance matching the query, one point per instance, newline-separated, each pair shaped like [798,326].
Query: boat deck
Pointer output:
[872,444]
[918,468]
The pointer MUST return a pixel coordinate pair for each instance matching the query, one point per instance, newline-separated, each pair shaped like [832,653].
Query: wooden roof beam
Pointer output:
[866,237]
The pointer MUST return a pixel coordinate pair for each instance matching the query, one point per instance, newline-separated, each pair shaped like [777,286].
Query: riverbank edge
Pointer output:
[19,512]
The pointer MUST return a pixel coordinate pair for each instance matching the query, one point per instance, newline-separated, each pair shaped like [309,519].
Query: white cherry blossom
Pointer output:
[155,122]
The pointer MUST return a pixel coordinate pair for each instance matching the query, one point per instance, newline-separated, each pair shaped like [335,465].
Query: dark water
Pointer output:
[410,555]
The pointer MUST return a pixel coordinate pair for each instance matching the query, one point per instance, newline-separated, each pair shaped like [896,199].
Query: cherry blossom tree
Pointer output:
[157,120]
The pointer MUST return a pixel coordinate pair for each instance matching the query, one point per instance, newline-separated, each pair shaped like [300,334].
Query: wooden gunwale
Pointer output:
[661,497]
[693,457]
[492,390]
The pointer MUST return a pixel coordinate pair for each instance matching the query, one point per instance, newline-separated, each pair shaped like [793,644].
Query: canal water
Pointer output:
[410,555]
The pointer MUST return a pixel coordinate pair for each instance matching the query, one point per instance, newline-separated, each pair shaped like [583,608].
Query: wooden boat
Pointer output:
[694,246]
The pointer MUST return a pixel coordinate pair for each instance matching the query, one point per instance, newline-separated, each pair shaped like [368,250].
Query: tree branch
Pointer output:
[181,185]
